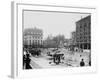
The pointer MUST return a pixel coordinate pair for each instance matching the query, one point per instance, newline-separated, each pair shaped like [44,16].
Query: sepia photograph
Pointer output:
[56,39]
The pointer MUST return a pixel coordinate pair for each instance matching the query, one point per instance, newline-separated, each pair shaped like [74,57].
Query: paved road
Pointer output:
[71,60]
[44,63]
[34,65]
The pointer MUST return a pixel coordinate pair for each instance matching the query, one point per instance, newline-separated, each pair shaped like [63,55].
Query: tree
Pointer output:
[54,41]
[59,39]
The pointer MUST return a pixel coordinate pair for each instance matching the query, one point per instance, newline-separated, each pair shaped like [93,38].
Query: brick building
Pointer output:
[83,33]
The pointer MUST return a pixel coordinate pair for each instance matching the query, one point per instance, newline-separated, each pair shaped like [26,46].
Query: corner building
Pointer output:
[83,33]
[33,37]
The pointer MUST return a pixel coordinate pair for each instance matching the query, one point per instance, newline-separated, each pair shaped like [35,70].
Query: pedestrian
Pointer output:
[59,61]
[82,63]
[90,63]
[25,52]
[54,58]
[28,62]
[24,59]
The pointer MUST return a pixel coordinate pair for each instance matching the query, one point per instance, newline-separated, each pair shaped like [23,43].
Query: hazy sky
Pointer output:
[52,22]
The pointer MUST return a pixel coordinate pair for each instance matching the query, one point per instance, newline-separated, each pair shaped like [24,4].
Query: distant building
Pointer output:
[73,37]
[83,33]
[72,41]
[33,37]
[69,44]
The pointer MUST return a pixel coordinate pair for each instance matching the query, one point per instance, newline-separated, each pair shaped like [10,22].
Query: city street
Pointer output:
[68,46]
[71,59]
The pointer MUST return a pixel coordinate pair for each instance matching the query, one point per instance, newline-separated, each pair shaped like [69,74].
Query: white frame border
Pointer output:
[16,70]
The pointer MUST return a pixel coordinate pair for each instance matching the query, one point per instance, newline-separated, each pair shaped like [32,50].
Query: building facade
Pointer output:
[72,41]
[73,37]
[83,33]
[33,37]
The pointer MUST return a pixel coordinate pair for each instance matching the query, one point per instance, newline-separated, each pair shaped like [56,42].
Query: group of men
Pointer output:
[26,60]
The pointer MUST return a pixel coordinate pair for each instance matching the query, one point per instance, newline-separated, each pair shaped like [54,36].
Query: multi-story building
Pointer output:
[73,37]
[72,41]
[83,33]
[33,37]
